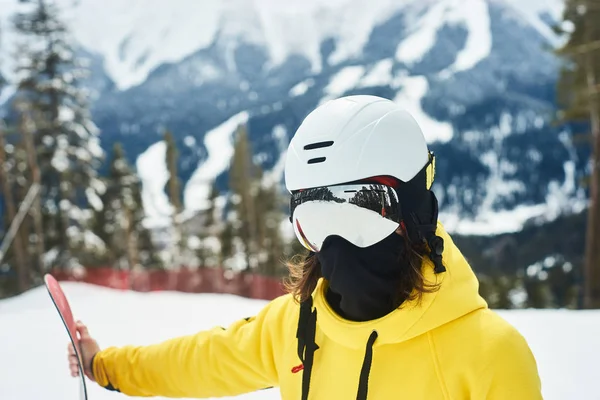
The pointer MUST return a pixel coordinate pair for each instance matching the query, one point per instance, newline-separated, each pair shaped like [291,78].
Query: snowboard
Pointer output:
[66,315]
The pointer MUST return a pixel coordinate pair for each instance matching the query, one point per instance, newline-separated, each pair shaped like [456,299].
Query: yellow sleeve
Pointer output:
[511,371]
[213,363]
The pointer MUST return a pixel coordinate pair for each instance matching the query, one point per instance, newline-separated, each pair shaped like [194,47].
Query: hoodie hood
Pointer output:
[457,296]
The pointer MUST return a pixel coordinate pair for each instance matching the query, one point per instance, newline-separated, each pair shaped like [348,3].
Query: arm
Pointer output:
[213,363]
[511,371]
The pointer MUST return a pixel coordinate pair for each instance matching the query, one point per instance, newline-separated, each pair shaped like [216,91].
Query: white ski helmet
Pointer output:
[337,148]
[352,138]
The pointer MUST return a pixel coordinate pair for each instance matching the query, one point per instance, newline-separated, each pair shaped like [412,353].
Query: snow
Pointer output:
[152,169]
[66,114]
[564,368]
[189,141]
[219,144]
[490,222]
[479,40]
[412,49]
[561,198]
[194,243]
[132,47]
[145,34]
[493,222]
[351,23]
[6,92]
[301,88]
[345,79]
[550,261]
[532,10]
[108,314]
[49,258]
[60,161]
[473,14]
[497,185]
[301,27]
[570,183]
[567,267]
[409,97]
[98,186]
[94,199]
[379,75]
[92,241]
[564,342]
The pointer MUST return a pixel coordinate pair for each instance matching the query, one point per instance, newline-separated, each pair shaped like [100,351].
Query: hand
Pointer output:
[88,347]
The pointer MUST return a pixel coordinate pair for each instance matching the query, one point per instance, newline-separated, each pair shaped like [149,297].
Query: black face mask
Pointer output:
[363,282]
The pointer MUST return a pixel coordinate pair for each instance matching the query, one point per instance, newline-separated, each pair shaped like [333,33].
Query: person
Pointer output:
[382,306]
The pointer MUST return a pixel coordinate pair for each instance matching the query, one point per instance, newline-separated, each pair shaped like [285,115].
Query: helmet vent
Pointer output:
[316,160]
[318,145]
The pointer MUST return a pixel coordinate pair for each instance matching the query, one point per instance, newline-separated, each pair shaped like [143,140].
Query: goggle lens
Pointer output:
[361,213]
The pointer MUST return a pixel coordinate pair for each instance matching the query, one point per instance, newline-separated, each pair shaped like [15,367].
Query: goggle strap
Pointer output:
[422,225]
[430,171]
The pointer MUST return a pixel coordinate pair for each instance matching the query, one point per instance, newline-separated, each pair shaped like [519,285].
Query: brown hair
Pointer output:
[305,272]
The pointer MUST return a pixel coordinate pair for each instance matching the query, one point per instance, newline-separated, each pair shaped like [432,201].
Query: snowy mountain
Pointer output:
[478,75]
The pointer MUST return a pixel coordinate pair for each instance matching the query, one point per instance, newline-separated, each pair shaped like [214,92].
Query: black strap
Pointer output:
[419,210]
[305,309]
[307,327]
[436,243]
[363,383]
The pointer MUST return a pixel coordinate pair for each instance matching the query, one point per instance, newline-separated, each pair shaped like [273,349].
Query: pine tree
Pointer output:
[226,238]
[18,246]
[212,217]
[112,219]
[2,79]
[208,253]
[269,217]
[243,186]
[173,190]
[147,251]
[538,293]
[120,222]
[256,211]
[16,256]
[579,95]
[65,141]
[174,183]
[26,128]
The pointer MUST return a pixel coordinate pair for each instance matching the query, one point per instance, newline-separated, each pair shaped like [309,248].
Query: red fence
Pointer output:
[205,280]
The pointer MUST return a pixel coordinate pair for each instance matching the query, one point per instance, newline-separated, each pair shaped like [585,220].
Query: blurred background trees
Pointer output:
[579,95]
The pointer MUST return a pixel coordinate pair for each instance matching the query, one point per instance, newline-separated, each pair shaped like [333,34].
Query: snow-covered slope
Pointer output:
[219,144]
[538,13]
[152,169]
[33,343]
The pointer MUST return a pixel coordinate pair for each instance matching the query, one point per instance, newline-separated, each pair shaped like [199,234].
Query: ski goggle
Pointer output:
[363,214]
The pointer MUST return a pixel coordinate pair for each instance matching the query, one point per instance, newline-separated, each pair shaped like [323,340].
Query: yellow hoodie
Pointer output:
[451,346]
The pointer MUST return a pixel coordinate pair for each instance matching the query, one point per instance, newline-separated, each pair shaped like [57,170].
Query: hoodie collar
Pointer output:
[458,295]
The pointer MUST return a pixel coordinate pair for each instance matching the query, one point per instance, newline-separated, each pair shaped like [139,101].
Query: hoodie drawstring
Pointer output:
[307,327]
[363,383]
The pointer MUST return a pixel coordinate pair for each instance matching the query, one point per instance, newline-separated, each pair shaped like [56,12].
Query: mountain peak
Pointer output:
[144,34]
